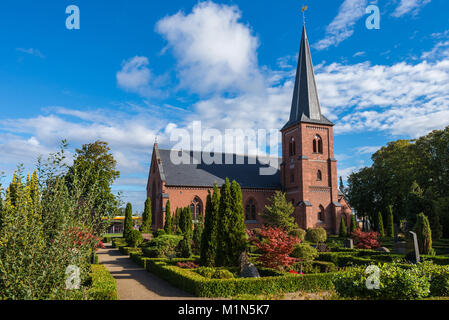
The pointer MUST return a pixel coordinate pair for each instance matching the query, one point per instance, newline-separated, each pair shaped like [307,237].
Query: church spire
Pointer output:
[305,105]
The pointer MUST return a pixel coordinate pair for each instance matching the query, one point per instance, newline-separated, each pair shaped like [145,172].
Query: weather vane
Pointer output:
[303,14]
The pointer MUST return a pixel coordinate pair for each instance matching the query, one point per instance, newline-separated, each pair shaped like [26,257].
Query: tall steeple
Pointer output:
[306,104]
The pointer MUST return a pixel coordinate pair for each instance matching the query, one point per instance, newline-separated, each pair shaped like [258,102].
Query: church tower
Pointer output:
[309,169]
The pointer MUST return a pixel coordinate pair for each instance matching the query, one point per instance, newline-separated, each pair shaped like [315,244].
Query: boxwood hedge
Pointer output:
[103,285]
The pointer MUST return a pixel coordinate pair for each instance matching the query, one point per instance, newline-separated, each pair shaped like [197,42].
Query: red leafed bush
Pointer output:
[276,246]
[366,240]
[82,237]
[187,265]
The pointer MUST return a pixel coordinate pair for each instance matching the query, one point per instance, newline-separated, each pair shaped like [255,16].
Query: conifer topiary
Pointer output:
[208,248]
[424,234]
[380,225]
[353,225]
[343,233]
[128,223]
[146,217]
[184,248]
[225,213]
[168,219]
[390,223]
[185,221]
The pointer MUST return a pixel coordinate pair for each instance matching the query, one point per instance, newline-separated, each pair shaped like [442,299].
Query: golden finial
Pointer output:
[303,14]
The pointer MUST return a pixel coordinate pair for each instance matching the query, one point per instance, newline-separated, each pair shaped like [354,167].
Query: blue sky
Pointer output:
[137,69]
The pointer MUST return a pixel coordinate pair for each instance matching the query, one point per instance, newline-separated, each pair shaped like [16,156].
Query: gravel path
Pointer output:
[134,282]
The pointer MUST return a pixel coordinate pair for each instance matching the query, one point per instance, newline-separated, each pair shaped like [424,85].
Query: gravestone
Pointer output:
[412,254]
[400,247]
[349,243]
[247,269]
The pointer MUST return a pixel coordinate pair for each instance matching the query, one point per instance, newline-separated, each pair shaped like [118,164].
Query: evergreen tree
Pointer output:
[146,217]
[342,186]
[424,233]
[177,219]
[353,225]
[168,219]
[1,211]
[237,229]
[343,233]
[279,213]
[225,212]
[209,237]
[198,232]
[185,221]
[380,225]
[128,223]
[184,247]
[390,222]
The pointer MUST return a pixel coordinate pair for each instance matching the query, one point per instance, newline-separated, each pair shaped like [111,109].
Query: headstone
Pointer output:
[247,269]
[349,243]
[383,249]
[400,247]
[412,254]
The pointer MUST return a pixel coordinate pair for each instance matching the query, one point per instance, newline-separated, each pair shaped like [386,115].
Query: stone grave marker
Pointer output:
[412,254]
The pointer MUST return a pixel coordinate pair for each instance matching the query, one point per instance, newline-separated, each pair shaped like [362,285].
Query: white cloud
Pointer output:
[368,149]
[32,51]
[215,51]
[407,6]
[135,76]
[342,27]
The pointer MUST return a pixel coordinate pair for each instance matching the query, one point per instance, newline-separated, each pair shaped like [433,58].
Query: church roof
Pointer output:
[204,175]
[306,104]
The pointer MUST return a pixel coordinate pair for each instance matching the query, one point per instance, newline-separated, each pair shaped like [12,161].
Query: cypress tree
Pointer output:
[424,233]
[184,247]
[343,232]
[198,232]
[380,225]
[177,219]
[146,217]
[168,219]
[237,229]
[390,222]
[1,211]
[225,212]
[185,221]
[353,225]
[128,223]
[209,237]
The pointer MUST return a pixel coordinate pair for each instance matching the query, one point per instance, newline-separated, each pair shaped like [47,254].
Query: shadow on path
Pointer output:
[134,282]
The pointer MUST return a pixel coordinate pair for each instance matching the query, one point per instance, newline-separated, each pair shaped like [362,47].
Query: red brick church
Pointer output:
[307,173]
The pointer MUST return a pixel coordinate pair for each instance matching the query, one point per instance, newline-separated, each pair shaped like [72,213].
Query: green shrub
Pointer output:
[162,246]
[206,272]
[135,238]
[396,283]
[184,248]
[439,284]
[119,242]
[424,233]
[222,274]
[103,286]
[316,235]
[298,233]
[159,232]
[304,251]
[343,232]
[190,281]
[309,267]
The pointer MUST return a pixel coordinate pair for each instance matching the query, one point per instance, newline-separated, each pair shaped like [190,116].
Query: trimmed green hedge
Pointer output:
[439,260]
[200,286]
[345,259]
[104,286]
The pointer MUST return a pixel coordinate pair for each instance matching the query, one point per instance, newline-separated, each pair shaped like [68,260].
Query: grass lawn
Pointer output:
[115,235]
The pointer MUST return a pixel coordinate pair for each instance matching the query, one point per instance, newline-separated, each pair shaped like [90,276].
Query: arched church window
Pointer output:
[196,209]
[319,176]
[250,210]
[292,147]
[317,144]
[321,214]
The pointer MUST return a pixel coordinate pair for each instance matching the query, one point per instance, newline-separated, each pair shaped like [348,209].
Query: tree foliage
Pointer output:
[279,213]
[208,248]
[146,217]
[168,219]
[424,234]
[128,223]
[276,246]
[343,231]
[413,175]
